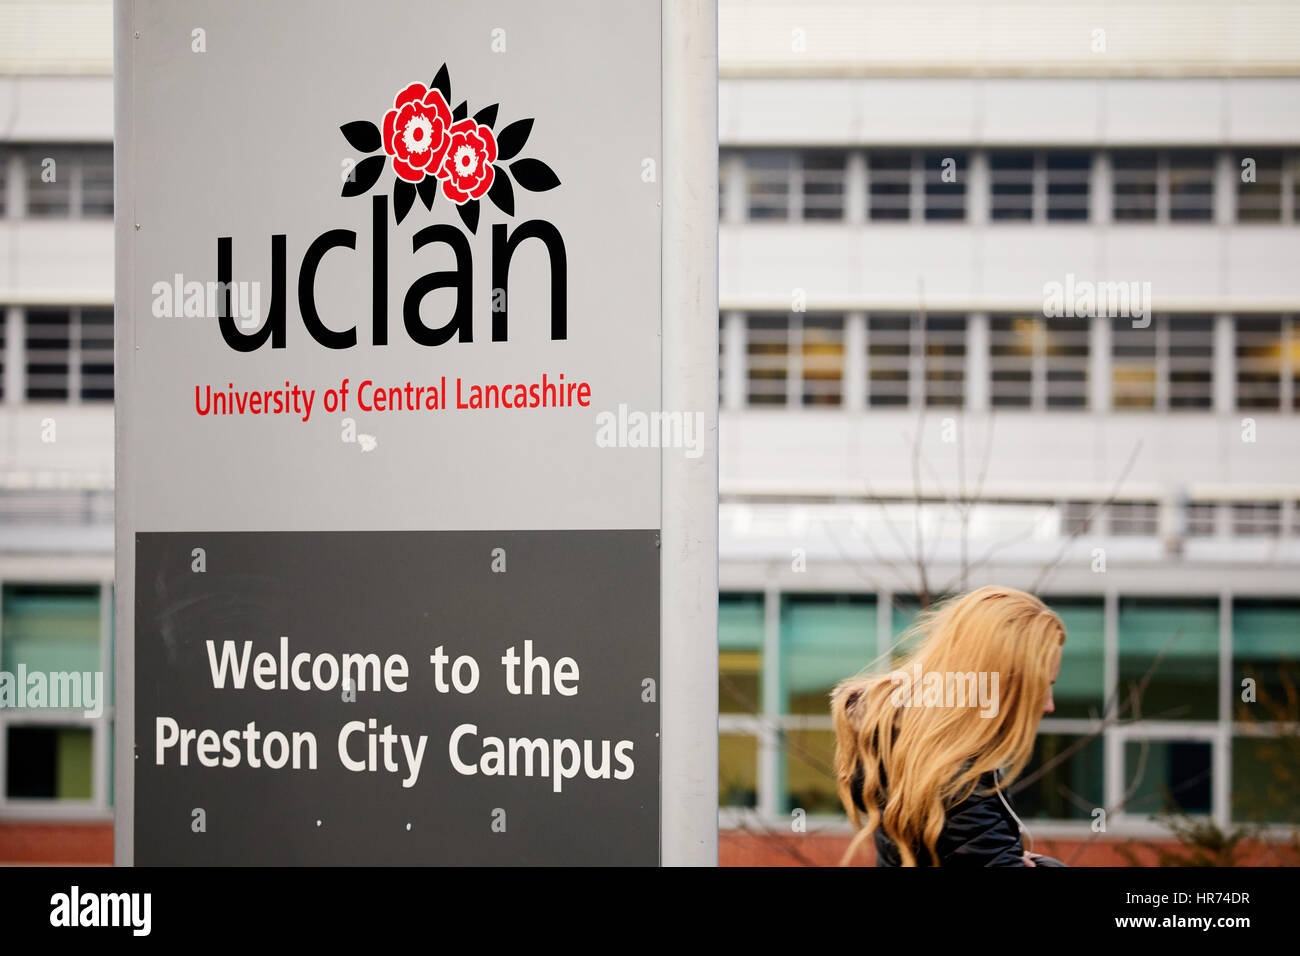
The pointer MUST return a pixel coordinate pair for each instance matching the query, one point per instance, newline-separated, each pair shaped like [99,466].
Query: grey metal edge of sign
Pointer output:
[688,489]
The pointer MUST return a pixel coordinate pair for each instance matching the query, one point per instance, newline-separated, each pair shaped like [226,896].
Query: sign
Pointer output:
[395,428]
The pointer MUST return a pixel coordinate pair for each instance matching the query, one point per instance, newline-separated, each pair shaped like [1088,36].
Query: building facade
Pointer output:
[1009,295]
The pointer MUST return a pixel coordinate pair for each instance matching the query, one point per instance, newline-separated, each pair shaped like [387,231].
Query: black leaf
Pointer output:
[534,174]
[502,193]
[403,198]
[362,135]
[428,190]
[442,83]
[469,212]
[486,116]
[460,112]
[364,175]
[513,137]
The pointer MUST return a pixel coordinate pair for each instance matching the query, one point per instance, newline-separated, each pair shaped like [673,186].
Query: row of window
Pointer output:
[1032,361]
[1019,185]
[781,700]
[57,182]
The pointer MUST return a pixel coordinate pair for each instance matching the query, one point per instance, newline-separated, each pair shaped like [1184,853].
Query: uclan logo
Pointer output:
[433,150]
[458,326]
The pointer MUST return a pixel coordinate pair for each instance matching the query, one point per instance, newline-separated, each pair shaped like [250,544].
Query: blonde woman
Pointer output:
[924,753]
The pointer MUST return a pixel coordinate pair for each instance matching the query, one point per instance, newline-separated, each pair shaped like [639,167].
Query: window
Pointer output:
[889,355]
[1011,175]
[1191,185]
[57,631]
[1067,176]
[823,184]
[1150,186]
[1252,519]
[889,184]
[1038,363]
[1133,365]
[1260,200]
[1167,365]
[795,358]
[1079,689]
[1173,776]
[1072,783]
[740,669]
[767,350]
[795,185]
[824,638]
[1201,519]
[822,349]
[69,354]
[1134,179]
[767,183]
[945,359]
[945,185]
[1266,353]
[1177,642]
[1139,519]
[899,344]
[69,181]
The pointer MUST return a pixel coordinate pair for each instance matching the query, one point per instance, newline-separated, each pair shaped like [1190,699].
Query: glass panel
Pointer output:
[889,350]
[1175,776]
[740,647]
[97,183]
[97,354]
[1012,178]
[823,360]
[737,770]
[1265,648]
[902,616]
[49,183]
[767,183]
[1266,779]
[1066,348]
[1259,362]
[768,355]
[810,771]
[1191,361]
[1133,365]
[1134,175]
[1191,185]
[945,360]
[1013,341]
[824,639]
[1080,685]
[49,763]
[50,628]
[823,184]
[1260,200]
[1068,175]
[1184,684]
[945,185]
[49,353]
[1072,788]
[889,175]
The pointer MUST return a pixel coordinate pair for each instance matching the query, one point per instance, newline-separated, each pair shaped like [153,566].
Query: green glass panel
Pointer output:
[50,628]
[824,639]
[1184,681]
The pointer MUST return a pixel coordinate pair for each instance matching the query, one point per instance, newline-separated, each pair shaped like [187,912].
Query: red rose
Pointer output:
[415,132]
[466,170]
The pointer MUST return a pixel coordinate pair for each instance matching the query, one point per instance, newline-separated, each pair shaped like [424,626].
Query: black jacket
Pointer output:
[979,831]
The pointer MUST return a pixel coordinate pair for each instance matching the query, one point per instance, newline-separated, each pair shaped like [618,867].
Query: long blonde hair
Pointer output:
[932,757]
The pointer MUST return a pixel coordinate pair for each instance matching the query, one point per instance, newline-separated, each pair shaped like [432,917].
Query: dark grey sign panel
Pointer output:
[432,773]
